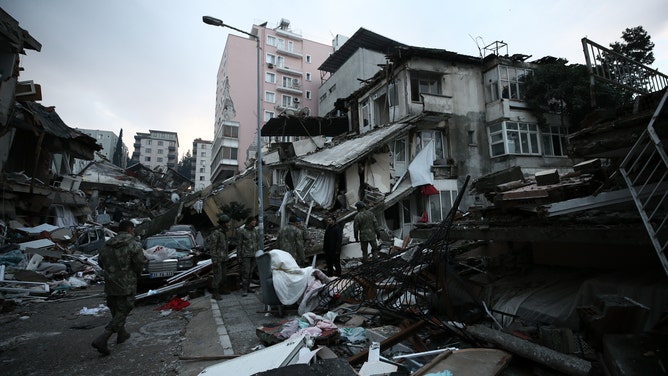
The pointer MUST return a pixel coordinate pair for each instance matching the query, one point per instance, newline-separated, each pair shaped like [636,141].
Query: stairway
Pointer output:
[645,171]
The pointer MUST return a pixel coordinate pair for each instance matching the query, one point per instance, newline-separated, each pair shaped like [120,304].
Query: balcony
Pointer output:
[294,89]
[285,52]
[290,71]
[288,34]
[436,107]
[171,149]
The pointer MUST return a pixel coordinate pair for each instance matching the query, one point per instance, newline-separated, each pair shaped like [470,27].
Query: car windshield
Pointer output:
[175,242]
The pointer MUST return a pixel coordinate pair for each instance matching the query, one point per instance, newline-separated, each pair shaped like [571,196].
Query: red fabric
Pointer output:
[176,304]
[424,218]
[428,190]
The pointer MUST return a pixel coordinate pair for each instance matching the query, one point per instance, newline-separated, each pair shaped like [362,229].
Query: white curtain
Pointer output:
[322,190]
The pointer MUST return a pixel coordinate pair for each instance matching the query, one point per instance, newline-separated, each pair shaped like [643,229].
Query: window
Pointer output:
[322,97]
[506,82]
[148,142]
[159,159]
[365,116]
[202,154]
[270,77]
[440,205]
[425,137]
[159,143]
[290,82]
[271,59]
[286,101]
[147,159]
[271,40]
[308,94]
[304,187]
[308,58]
[280,44]
[201,169]
[514,138]
[554,141]
[201,178]
[230,131]
[513,82]
[147,150]
[308,76]
[268,115]
[229,153]
[160,151]
[393,94]
[424,82]
[269,97]
[291,45]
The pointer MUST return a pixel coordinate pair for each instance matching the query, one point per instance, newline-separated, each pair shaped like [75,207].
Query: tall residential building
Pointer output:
[289,82]
[201,167]
[156,148]
[108,140]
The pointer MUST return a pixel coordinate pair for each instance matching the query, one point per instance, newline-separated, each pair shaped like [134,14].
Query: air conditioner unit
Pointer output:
[296,100]
[270,65]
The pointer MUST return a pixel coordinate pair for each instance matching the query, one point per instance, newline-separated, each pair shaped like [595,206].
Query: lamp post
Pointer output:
[260,223]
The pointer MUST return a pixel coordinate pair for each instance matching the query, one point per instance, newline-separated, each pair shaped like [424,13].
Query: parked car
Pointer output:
[169,253]
[90,239]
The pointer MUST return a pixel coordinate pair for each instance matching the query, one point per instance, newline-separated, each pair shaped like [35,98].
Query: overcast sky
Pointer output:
[151,64]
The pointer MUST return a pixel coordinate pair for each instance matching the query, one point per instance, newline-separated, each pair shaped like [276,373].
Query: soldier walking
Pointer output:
[365,228]
[122,260]
[217,244]
[247,245]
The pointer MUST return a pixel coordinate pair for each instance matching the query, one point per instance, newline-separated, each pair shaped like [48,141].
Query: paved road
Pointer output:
[53,337]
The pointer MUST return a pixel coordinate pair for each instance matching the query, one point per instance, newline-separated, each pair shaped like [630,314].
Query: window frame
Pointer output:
[421,80]
[521,134]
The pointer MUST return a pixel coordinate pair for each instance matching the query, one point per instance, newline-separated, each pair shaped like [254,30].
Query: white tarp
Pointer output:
[290,281]
[420,166]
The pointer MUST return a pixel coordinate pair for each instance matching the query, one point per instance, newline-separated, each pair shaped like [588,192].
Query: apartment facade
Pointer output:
[156,148]
[108,140]
[289,82]
[201,168]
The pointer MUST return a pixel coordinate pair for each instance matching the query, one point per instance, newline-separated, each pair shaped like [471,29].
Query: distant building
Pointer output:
[156,148]
[289,82]
[201,167]
[108,140]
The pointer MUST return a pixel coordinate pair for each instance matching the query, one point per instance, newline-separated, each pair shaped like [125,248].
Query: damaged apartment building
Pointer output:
[413,129]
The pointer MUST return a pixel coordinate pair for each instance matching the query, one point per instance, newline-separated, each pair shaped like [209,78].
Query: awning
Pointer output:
[404,190]
[305,126]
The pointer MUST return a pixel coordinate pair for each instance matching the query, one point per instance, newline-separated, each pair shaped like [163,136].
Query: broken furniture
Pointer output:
[269,297]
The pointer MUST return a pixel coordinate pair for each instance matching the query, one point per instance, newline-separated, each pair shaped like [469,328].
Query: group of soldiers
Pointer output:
[122,260]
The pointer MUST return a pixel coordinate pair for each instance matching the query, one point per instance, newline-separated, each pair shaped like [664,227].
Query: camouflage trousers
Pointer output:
[365,249]
[219,273]
[120,307]
[247,266]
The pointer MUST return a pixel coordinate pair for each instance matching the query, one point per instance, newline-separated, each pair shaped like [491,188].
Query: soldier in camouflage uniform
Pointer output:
[365,228]
[122,260]
[247,245]
[291,239]
[217,244]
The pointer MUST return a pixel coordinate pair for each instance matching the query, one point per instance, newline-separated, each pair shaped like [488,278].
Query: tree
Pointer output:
[558,87]
[117,159]
[237,211]
[636,45]
[185,165]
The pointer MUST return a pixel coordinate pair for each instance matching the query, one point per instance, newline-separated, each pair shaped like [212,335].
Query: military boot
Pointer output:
[100,343]
[122,335]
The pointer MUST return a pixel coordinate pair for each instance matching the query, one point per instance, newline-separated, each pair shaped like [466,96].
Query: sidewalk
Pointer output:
[225,327]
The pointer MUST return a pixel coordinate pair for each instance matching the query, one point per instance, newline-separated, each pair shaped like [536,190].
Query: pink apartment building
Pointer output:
[289,82]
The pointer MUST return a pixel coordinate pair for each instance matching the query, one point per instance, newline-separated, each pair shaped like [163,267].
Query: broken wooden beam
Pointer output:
[565,363]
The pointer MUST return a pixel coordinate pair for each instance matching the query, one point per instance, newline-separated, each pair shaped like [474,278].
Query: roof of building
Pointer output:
[362,38]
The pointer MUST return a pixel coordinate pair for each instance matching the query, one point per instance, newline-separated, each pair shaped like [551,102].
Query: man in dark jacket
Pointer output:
[122,260]
[217,244]
[331,245]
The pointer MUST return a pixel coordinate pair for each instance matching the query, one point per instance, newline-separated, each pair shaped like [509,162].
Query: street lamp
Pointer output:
[260,222]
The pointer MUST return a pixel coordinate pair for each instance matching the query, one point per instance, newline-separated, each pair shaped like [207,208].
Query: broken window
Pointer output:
[512,137]
[304,187]
[506,82]
[424,82]
[365,117]
[423,139]
[554,140]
